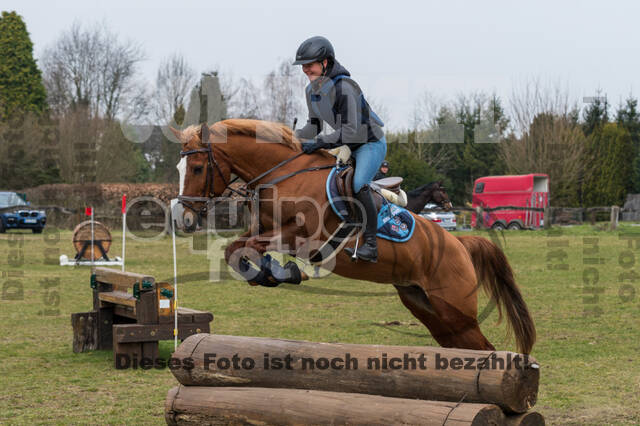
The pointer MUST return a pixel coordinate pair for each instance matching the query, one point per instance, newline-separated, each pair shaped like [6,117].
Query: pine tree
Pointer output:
[595,115]
[608,177]
[629,118]
[403,163]
[487,126]
[21,87]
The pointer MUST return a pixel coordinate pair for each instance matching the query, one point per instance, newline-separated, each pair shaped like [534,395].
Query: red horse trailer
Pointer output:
[530,190]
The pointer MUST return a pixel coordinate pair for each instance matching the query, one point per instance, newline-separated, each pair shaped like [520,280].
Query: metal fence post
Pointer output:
[547,217]
[479,217]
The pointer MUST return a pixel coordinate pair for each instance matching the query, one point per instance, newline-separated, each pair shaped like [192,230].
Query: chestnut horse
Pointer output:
[434,274]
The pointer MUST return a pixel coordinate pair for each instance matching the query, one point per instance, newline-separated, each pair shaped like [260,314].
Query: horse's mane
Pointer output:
[419,190]
[263,130]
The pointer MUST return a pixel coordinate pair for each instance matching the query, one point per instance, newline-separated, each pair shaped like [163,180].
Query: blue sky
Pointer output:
[395,49]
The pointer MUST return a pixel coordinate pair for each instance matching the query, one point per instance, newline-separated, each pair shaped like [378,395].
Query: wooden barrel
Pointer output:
[82,236]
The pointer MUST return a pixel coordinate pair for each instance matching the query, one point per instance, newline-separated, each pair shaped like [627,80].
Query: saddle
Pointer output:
[387,188]
[395,223]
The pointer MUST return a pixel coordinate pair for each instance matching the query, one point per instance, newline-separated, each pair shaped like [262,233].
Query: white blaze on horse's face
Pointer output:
[182,170]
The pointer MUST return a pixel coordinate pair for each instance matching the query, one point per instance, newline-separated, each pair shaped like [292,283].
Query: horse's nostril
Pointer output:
[189,221]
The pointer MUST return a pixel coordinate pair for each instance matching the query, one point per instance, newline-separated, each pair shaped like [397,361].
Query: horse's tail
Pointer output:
[496,277]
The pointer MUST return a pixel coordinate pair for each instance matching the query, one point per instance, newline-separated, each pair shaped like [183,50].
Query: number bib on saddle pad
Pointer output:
[394,222]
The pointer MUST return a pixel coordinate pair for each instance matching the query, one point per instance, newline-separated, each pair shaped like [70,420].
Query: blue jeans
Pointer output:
[368,159]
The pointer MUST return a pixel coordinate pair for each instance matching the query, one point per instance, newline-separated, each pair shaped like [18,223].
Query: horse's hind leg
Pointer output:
[450,327]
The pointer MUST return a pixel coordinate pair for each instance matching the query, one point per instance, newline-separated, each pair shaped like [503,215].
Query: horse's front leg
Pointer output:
[246,249]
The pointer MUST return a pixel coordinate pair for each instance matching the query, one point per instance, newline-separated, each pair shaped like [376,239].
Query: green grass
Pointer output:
[590,366]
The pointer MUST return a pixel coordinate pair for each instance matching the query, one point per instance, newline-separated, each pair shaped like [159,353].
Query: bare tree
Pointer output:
[174,82]
[548,140]
[92,68]
[426,110]
[243,99]
[533,97]
[283,93]
[379,108]
[433,125]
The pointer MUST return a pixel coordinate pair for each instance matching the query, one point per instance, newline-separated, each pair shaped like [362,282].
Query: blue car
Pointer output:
[16,214]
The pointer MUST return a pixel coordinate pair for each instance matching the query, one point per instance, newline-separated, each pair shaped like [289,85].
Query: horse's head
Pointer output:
[440,196]
[203,173]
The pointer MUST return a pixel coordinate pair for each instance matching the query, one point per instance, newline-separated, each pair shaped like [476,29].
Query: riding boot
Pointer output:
[369,249]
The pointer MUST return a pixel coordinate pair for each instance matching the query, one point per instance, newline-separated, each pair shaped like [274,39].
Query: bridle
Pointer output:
[208,192]
[244,191]
[445,203]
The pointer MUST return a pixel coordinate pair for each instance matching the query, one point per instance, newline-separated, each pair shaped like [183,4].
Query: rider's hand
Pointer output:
[310,147]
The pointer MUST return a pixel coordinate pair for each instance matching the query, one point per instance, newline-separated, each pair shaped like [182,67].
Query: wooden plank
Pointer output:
[506,379]
[150,352]
[126,354]
[123,311]
[100,288]
[133,354]
[121,280]
[118,298]
[227,405]
[188,316]
[147,308]
[105,325]
[193,315]
[85,331]
[127,333]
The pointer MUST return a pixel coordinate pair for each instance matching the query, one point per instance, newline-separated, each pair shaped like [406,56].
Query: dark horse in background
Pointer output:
[432,192]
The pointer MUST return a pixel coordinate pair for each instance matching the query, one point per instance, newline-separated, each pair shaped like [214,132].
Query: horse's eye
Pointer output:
[197,170]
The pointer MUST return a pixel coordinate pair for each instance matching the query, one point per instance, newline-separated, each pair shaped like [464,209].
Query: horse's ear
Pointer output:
[177,133]
[204,133]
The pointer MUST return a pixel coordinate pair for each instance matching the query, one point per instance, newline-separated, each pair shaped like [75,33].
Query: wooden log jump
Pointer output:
[506,379]
[131,313]
[531,418]
[186,405]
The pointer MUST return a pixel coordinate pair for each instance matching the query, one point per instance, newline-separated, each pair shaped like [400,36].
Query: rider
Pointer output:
[382,172]
[333,97]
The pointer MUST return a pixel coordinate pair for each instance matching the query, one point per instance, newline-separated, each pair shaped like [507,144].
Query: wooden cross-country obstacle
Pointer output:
[271,381]
[257,380]
[131,314]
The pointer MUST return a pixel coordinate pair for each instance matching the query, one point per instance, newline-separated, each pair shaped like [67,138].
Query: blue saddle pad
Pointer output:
[394,222]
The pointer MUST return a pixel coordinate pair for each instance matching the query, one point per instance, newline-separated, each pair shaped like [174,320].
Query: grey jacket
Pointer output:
[342,106]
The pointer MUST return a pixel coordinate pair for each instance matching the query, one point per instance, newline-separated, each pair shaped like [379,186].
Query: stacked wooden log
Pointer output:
[233,379]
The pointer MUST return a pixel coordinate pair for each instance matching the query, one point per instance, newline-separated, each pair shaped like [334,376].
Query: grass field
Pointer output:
[588,346]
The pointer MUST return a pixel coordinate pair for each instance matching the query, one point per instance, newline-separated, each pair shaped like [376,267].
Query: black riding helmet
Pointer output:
[314,49]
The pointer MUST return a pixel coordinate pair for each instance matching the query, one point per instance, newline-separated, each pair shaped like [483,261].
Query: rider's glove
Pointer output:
[311,147]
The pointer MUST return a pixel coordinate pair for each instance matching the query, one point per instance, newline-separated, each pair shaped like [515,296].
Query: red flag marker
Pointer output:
[124,203]
[88,211]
